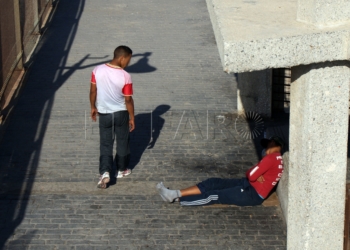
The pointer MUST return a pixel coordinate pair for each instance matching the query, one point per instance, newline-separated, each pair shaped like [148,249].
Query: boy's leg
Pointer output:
[122,157]
[106,143]
[219,184]
[194,190]
[238,195]
[210,184]
[106,149]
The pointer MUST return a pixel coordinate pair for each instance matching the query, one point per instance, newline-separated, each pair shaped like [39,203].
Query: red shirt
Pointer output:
[271,168]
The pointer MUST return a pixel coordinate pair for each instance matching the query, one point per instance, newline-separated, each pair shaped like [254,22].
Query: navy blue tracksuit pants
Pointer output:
[224,191]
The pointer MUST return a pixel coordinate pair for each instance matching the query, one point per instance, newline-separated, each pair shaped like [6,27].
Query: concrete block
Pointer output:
[318,155]
[282,188]
[257,35]
[324,13]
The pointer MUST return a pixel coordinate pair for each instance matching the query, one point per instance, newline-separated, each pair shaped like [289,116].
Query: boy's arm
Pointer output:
[257,171]
[93,94]
[129,102]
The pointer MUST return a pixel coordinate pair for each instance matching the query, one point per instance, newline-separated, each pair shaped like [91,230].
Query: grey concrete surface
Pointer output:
[185,132]
[282,188]
[279,125]
[322,14]
[318,153]
[256,35]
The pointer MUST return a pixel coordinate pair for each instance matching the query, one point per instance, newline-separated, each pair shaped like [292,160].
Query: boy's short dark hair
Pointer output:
[122,51]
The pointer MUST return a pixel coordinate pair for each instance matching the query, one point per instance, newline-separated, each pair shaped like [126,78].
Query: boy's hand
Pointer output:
[94,114]
[131,125]
[129,103]
[261,179]
[93,95]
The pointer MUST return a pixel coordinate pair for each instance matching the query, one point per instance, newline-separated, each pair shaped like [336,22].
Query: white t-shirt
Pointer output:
[113,84]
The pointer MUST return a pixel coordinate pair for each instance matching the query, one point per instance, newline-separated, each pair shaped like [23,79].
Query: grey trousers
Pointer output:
[114,126]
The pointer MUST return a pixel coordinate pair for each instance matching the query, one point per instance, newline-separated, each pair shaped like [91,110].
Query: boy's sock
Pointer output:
[159,186]
[167,194]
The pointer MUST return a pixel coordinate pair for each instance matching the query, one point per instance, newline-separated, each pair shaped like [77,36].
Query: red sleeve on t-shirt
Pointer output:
[255,172]
[93,80]
[127,90]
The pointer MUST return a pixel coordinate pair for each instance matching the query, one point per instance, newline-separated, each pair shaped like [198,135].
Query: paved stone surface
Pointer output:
[187,130]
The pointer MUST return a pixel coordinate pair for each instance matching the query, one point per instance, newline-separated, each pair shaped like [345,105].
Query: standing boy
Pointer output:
[111,98]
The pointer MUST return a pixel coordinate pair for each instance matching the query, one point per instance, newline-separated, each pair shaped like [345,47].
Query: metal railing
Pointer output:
[20,26]
[281,80]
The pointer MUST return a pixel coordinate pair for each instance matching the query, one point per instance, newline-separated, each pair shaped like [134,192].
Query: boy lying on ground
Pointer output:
[248,191]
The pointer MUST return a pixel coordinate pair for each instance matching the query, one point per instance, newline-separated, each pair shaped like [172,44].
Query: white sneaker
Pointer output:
[122,174]
[119,174]
[126,172]
[104,179]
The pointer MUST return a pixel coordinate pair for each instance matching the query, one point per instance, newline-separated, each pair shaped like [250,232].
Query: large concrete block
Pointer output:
[318,155]
[324,13]
[257,35]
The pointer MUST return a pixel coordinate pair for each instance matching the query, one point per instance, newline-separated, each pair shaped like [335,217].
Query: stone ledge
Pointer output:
[256,35]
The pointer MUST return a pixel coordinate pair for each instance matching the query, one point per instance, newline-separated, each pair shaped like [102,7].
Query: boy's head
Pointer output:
[273,141]
[122,54]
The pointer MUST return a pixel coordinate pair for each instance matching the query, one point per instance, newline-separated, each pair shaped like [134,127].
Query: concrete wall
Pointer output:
[254,90]
[318,155]
[282,188]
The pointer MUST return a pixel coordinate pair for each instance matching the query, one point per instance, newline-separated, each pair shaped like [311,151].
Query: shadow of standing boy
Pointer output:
[146,134]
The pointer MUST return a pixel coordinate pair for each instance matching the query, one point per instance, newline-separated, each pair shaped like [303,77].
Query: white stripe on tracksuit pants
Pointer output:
[200,202]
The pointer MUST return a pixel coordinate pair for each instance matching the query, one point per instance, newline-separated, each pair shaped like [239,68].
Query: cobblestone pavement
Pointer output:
[186,131]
